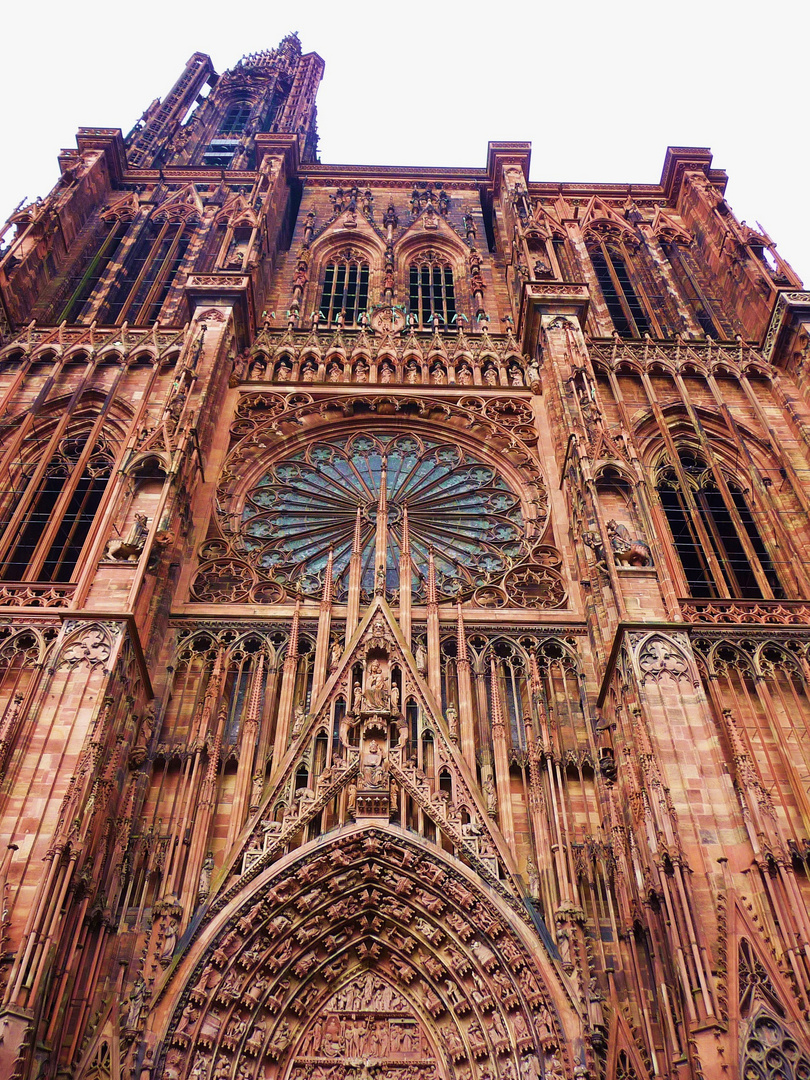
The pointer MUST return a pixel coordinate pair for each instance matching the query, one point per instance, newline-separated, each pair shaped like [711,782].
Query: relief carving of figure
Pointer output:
[332,1039]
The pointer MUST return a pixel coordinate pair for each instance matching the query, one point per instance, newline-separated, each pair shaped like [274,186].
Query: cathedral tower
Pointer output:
[405,614]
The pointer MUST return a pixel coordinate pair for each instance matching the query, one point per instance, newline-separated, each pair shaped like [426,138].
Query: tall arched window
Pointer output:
[38,547]
[717,540]
[345,288]
[432,294]
[629,315]
[691,287]
[235,118]
[148,274]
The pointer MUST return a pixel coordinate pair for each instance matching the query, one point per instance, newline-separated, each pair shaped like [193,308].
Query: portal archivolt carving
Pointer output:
[371,957]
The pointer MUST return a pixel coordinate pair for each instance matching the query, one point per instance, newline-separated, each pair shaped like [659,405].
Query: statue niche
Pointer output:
[374,730]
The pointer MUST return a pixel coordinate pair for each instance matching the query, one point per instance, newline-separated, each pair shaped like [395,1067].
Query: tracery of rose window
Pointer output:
[457,505]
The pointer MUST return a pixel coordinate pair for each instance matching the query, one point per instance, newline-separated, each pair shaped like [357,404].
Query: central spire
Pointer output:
[381,545]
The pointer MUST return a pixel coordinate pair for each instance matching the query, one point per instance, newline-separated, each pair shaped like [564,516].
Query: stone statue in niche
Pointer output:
[376,693]
[299,716]
[204,887]
[129,548]
[421,658]
[490,795]
[373,765]
[627,550]
[452,722]
[394,698]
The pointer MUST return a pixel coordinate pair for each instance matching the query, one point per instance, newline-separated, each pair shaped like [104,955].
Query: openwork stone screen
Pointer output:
[456,505]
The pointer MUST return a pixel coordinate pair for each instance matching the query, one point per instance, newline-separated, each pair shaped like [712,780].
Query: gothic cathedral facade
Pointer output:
[404,614]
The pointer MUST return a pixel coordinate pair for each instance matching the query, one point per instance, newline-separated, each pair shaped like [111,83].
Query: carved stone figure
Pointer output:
[169,938]
[373,771]
[376,693]
[490,795]
[335,654]
[130,547]
[421,658]
[627,549]
[137,997]
[207,870]
[256,788]
[452,721]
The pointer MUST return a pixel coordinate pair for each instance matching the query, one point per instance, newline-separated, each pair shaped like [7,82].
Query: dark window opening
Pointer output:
[706,507]
[26,558]
[432,297]
[91,271]
[220,153]
[625,308]
[345,289]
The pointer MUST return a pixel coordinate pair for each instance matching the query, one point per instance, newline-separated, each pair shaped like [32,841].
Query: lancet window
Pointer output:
[50,509]
[629,314]
[692,289]
[148,274]
[715,533]
[87,274]
[345,288]
[235,118]
[431,293]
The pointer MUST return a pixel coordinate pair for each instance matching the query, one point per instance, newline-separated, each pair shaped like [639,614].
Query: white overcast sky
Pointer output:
[599,88]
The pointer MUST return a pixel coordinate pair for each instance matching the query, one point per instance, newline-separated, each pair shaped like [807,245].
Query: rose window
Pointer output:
[456,505]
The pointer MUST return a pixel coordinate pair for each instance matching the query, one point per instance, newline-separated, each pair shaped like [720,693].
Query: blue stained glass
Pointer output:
[457,506]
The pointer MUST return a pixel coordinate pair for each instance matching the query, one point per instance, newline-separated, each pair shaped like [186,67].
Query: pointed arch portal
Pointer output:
[371,954]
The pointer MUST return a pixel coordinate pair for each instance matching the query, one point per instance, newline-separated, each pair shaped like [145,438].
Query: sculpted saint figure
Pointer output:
[376,695]
[373,771]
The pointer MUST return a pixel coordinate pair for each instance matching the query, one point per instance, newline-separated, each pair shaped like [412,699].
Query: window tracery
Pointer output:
[71,486]
[715,535]
[610,261]
[771,1053]
[148,273]
[344,296]
[456,505]
[431,291]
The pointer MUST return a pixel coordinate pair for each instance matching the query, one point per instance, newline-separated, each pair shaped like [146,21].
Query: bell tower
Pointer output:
[211,120]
